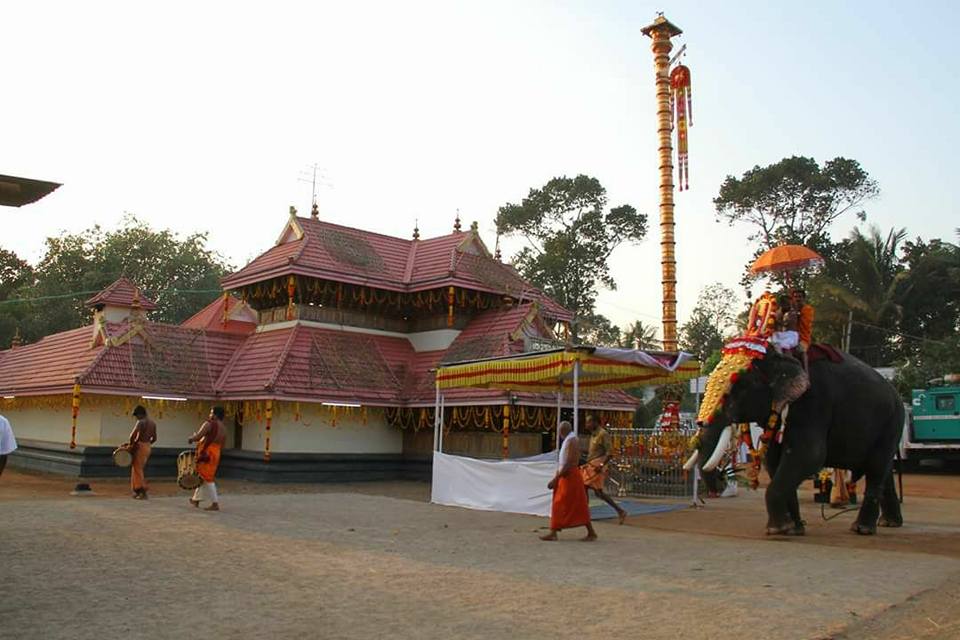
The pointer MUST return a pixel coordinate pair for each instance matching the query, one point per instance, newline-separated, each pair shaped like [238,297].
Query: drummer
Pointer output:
[210,438]
[142,437]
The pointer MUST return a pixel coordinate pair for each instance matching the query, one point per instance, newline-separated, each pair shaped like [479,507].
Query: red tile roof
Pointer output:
[335,252]
[122,294]
[241,318]
[50,365]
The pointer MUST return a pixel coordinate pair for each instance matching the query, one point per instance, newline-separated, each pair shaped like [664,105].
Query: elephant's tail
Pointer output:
[900,473]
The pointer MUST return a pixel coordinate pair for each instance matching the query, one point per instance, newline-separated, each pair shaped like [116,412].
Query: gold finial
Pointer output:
[315,212]
[456,222]
[474,226]
[17,340]
[496,249]
[416,229]
[293,211]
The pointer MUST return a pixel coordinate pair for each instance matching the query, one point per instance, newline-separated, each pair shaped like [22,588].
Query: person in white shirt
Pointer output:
[8,444]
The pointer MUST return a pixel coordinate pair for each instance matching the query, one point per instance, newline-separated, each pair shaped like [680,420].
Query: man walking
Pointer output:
[595,471]
[8,444]
[210,439]
[569,508]
[142,437]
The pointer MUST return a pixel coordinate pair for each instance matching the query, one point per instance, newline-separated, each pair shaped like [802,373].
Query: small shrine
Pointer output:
[323,351]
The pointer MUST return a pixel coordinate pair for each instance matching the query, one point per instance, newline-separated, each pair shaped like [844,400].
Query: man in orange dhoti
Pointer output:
[570,508]
[210,439]
[142,437]
[595,471]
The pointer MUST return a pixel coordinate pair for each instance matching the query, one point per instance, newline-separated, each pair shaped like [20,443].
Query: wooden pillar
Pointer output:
[451,294]
[269,418]
[505,447]
[74,412]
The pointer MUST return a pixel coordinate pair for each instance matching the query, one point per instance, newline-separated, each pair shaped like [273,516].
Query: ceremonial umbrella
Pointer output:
[786,257]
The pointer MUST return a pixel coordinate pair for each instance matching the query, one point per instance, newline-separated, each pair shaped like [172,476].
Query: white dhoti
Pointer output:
[785,340]
[206,491]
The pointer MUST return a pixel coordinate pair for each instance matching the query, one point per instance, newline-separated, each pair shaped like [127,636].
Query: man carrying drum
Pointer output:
[210,439]
[142,437]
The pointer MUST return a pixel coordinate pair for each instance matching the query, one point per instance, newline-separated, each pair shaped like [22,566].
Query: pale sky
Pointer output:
[203,116]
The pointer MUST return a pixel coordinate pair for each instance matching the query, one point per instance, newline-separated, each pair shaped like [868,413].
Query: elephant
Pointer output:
[840,414]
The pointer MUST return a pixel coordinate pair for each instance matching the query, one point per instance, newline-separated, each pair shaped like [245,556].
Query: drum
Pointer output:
[187,476]
[122,457]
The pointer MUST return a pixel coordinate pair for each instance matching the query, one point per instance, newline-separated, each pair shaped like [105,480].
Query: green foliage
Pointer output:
[929,295]
[932,359]
[640,336]
[165,266]
[15,275]
[794,200]
[597,330]
[863,280]
[569,240]
[711,320]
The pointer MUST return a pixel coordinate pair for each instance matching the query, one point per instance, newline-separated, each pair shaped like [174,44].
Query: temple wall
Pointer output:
[53,425]
[173,428]
[349,435]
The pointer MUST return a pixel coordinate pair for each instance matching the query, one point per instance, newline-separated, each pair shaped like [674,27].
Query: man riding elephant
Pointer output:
[837,413]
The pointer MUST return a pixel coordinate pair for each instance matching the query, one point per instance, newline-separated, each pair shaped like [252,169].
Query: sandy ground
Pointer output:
[376,560]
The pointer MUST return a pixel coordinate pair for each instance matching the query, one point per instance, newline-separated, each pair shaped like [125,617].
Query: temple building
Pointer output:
[322,350]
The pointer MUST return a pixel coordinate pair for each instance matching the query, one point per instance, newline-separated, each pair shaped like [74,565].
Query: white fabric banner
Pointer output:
[665,361]
[514,486]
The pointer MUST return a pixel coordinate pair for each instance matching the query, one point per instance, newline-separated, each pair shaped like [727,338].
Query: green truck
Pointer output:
[933,421]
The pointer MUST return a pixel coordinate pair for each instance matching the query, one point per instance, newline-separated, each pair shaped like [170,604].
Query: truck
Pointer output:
[932,431]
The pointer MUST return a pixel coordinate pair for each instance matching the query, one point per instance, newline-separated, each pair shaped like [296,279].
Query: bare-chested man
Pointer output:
[142,437]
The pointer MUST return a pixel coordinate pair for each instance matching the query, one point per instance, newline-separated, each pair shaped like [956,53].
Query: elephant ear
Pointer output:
[786,377]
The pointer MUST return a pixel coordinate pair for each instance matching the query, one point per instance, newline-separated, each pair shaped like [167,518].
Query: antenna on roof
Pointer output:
[317,178]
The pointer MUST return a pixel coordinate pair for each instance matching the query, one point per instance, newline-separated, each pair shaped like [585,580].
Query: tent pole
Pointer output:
[442,402]
[557,434]
[576,397]
[436,418]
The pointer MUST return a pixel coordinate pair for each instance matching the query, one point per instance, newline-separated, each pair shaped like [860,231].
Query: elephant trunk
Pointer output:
[723,443]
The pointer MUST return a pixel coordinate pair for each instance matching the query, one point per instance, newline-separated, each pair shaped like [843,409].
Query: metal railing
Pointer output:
[649,463]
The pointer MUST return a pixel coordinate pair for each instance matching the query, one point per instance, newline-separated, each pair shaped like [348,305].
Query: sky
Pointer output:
[206,116]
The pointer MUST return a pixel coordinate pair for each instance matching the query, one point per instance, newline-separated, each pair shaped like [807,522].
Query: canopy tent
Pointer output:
[459,481]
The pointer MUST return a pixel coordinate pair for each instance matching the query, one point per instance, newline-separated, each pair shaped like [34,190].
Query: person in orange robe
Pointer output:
[142,437]
[210,439]
[570,508]
[596,470]
[804,324]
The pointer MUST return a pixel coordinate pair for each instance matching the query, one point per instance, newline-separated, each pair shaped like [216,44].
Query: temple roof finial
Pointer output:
[315,212]
[17,340]
[456,222]
[496,249]
[293,211]
[475,226]
[416,229]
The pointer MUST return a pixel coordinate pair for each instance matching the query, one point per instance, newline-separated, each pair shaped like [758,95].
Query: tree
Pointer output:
[863,287]
[929,294]
[597,329]
[15,275]
[711,320]
[569,240]
[794,200]
[932,359]
[180,275]
[640,336]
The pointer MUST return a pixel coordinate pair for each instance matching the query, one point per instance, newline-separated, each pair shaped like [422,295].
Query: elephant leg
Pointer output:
[890,515]
[878,470]
[783,506]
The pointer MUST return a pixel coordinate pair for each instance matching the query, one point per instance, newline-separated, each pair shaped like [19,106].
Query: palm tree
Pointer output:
[640,336]
[862,289]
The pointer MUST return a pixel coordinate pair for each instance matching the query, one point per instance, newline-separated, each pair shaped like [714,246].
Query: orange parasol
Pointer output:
[786,257]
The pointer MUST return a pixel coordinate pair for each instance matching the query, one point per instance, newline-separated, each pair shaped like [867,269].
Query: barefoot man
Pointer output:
[142,437]
[209,439]
[570,507]
[595,471]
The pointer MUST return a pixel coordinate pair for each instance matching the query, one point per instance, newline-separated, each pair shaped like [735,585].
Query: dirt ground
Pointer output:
[377,560]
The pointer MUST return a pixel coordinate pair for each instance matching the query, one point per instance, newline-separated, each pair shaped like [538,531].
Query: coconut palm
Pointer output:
[640,336]
[862,287]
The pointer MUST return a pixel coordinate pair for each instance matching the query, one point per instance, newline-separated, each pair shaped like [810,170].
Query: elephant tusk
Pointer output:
[692,460]
[723,443]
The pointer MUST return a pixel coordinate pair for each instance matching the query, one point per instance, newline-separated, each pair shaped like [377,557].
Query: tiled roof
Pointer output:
[122,294]
[169,360]
[50,365]
[240,318]
[336,252]
[323,364]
